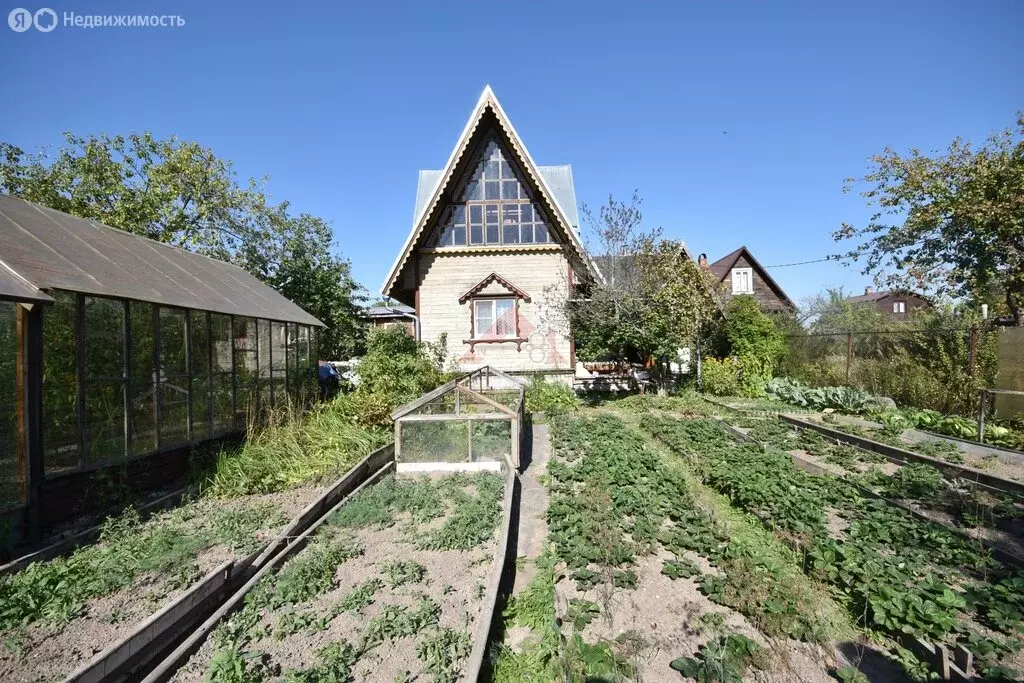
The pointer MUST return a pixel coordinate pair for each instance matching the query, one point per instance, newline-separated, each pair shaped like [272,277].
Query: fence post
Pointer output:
[981,417]
[972,350]
[849,354]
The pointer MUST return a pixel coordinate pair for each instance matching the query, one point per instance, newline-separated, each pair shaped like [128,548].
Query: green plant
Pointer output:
[720,377]
[442,651]
[335,666]
[551,398]
[399,573]
[851,674]
[725,660]
[582,612]
[679,569]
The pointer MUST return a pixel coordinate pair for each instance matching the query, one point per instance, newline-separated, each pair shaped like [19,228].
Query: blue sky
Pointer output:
[737,120]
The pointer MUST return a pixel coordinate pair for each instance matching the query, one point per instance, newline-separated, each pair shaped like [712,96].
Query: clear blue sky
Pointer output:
[737,120]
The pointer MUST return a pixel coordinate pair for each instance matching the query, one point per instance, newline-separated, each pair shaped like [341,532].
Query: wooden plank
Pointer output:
[489,401]
[902,456]
[455,418]
[425,398]
[502,555]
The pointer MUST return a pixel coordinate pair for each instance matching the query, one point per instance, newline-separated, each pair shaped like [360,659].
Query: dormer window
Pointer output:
[493,207]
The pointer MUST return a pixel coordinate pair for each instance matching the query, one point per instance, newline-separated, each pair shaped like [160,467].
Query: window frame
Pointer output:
[492,302]
[500,204]
[899,307]
[749,273]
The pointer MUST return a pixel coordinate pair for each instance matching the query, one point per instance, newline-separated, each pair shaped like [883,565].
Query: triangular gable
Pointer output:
[723,266]
[488,102]
[494,284]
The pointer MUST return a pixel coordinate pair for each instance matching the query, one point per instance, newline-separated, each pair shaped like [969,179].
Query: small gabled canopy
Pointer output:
[497,279]
[723,266]
[436,186]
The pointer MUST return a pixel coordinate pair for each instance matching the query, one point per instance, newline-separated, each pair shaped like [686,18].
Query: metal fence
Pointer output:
[938,368]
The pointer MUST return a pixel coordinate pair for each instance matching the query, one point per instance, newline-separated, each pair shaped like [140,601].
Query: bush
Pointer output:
[395,370]
[720,377]
[551,398]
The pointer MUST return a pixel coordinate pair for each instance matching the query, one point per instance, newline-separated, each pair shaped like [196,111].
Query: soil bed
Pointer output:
[135,569]
[388,588]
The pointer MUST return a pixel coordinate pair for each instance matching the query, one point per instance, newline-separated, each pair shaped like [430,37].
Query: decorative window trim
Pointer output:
[750,280]
[473,296]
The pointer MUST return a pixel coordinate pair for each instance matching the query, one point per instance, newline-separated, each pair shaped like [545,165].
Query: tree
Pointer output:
[654,298]
[755,339]
[181,193]
[952,223]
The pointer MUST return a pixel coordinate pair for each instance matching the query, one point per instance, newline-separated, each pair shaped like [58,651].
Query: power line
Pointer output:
[801,263]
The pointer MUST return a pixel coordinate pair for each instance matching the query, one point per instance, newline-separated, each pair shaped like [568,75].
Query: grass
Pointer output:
[166,545]
[292,450]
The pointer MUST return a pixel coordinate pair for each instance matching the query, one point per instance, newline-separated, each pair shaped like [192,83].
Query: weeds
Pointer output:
[442,652]
[725,659]
[400,573]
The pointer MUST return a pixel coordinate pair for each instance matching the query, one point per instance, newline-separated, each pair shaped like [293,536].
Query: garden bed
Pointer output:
[913,580]
[58,614]
[389,587]
[650,581]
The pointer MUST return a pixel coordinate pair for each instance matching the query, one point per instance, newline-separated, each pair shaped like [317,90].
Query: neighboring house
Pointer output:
[390,316]
[742,274]
[494,252]
[897,303]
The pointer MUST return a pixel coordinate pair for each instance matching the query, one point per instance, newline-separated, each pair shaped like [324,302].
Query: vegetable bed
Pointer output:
[388,588]
[900,577]
[653,584]
[56,615]
[991,517]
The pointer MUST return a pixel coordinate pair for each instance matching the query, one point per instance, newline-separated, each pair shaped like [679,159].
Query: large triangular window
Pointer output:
[492,207]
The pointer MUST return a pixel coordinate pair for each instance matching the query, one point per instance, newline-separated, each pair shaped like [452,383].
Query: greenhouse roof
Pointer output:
[42,248]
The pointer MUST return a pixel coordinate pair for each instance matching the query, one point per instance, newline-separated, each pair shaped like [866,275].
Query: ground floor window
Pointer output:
[494,318]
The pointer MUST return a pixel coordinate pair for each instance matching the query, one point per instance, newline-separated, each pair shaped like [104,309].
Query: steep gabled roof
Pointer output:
[434,184]
[723,266]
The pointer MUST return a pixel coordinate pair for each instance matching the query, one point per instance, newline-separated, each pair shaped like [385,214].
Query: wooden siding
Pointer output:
[543,275]
[912,301]
[763,292]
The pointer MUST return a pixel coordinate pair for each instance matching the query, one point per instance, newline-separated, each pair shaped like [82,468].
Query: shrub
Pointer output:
[720,377]
[552,398]
[396,369]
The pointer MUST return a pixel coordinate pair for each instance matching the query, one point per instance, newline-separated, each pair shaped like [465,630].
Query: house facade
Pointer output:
[741,274]
[494,253]
[897,303]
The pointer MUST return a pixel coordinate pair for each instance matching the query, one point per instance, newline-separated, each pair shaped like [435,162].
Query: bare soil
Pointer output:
[46,652]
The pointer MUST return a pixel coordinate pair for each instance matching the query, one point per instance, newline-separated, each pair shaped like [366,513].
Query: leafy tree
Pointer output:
[755,339]
[181,193]
[654,298]
[952,223]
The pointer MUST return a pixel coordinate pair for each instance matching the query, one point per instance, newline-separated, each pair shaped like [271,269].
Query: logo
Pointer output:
[21,20]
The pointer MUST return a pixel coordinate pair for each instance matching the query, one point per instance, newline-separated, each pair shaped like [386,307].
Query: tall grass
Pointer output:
[292,449]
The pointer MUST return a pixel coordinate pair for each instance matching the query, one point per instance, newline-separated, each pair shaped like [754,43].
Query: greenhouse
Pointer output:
[472,423]
[116,350]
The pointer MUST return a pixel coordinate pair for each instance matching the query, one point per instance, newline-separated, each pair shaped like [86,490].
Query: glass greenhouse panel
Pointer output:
[199,360]
[173,393]
[279,364]
[10,472]
[104,380]
[263,334]
[60,385]
[434,441]
[490,440]
[246,369]
[221,342]
[142,380]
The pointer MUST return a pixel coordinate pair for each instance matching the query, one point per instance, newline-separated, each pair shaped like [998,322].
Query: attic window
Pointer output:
[742,281]
[493,207]
[899,307]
